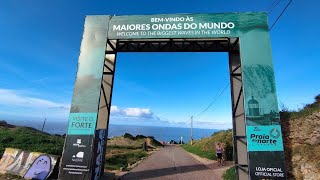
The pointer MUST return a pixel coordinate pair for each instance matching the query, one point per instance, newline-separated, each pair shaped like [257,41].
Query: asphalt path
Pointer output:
[171,162]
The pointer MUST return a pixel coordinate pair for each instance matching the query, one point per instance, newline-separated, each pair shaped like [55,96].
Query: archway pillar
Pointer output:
[84,148]
[238,116]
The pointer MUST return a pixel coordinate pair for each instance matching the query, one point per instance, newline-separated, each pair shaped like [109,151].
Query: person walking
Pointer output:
[219,151]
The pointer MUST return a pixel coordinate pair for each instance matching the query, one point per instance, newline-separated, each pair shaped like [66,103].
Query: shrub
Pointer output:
[140,136]
[230,174]
[129,136]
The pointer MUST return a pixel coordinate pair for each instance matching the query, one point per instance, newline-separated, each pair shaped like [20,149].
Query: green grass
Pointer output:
[206,147]
[122,160]
[304,112]
[199,151]
[230,174]
[307,110]
[120,157]
[123,147]
[30,140]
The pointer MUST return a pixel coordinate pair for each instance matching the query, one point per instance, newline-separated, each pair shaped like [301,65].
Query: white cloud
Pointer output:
[10,97]
[114,109]
[137,112]
[15,104]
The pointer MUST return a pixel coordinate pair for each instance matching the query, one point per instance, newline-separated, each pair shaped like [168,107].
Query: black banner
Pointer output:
[267,165]
[76,163]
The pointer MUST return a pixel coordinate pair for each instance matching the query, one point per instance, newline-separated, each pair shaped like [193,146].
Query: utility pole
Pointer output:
[45,119]
[191,129]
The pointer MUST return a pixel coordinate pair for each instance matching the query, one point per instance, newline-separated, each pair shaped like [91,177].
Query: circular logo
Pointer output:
[275,133]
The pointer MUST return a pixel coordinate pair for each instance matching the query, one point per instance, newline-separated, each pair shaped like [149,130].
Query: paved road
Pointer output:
[171,162]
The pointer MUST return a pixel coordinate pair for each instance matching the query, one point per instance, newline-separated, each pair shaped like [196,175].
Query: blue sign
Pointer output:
[82,123]
[264,138]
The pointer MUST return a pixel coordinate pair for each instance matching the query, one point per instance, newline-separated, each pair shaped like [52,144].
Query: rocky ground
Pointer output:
[302,146]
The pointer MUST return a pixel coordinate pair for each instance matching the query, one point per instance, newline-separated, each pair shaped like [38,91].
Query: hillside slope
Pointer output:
[124,152]
[206,146]
[29,139]
[301,134]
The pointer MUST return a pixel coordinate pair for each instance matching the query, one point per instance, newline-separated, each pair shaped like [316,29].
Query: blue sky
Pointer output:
[39,49]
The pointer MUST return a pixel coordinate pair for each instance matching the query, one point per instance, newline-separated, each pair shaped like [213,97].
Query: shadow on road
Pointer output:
[216,165]
[163,172]
[168,171]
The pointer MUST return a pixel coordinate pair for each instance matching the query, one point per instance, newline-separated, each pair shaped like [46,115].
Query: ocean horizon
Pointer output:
[158,132]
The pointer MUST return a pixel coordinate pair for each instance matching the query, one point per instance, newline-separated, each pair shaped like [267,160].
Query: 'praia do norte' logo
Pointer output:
[275,133]
[267,139]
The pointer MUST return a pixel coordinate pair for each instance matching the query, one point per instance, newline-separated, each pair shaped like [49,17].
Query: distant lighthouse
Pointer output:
[253,107]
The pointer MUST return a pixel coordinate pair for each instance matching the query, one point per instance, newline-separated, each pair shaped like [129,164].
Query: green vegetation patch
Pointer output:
[307,110]
[230,174]
[200,151]
[123,147]
[124,151]
[127,140]
[123,159]
[206,147]
[29,139]
[155,143]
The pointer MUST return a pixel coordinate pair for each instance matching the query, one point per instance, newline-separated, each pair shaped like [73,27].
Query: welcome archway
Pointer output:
[257,137]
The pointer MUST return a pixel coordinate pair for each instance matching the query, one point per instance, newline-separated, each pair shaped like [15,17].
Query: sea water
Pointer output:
[159,133]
